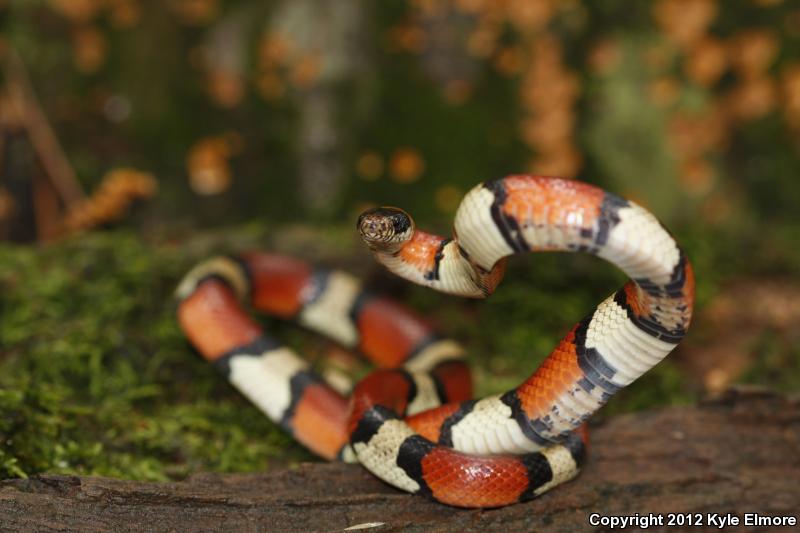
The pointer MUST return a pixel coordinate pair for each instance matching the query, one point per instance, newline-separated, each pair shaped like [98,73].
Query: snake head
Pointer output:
[385,228]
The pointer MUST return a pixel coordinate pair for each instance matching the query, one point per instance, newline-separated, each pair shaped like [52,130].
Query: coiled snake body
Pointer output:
[486,453]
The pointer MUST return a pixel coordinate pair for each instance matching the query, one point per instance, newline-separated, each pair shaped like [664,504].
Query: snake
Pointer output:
[412,422]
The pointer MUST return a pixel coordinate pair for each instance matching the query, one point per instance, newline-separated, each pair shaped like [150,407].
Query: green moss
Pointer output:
[96,377]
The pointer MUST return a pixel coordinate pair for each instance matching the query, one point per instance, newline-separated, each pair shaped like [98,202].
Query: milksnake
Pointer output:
[412,423]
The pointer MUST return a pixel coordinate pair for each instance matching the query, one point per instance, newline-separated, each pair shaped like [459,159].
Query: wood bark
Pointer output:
[737,454]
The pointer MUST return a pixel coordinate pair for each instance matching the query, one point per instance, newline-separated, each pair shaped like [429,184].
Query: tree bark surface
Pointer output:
[736,454]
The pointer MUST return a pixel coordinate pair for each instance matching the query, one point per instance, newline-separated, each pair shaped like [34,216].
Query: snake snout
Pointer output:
[385,225]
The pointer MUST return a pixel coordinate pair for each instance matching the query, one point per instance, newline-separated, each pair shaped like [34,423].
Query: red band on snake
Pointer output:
[486,453]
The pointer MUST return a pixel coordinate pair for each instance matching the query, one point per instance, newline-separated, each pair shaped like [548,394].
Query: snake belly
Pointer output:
[514,446]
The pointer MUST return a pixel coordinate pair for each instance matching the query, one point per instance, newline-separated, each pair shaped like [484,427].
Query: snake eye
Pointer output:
[385,226]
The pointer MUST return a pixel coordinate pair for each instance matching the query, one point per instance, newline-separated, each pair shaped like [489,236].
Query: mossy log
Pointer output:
[737,454]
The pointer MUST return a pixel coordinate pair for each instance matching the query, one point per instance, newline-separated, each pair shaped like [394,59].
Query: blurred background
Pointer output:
[137,137]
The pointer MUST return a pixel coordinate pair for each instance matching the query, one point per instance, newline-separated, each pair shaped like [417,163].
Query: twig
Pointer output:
[42,137]
[45,208]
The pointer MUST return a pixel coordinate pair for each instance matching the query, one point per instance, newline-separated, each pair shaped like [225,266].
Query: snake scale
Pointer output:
[412,422]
